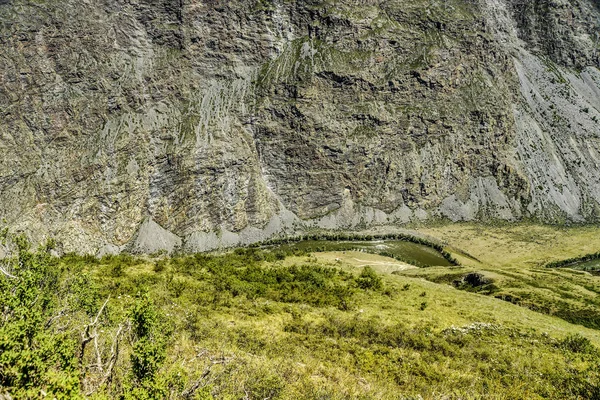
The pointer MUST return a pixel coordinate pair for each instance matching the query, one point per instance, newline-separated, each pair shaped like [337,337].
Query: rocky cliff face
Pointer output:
[181,123]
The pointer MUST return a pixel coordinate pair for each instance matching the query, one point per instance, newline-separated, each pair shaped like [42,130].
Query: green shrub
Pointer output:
[150,340]
[83,293]
[368,279]
[577,343]
[117,270]
[264,385]
[34,357]
[161,265]
[177,286]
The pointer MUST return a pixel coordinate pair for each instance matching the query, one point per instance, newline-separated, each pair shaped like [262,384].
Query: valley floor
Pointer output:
[290,324]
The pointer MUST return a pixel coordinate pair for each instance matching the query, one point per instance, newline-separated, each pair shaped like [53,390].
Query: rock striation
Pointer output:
[154,125]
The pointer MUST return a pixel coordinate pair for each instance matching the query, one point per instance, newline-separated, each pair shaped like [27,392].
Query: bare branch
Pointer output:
[100,311]
[98,355]
[86,336]
[54,318]
[7,274]
[220,360]
[199,355]
[112,360]
[188,393]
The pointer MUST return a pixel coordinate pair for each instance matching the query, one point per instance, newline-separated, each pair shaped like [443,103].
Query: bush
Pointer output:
[117,270]
[577,344]
[177,286]
[264,385]
[33,356]
[149,349]
[160,265]
[83,293]
[368,279]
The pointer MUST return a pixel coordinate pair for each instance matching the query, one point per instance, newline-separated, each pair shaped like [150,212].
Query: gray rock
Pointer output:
[55,253]
[232,122]
[152,238]
[108,250]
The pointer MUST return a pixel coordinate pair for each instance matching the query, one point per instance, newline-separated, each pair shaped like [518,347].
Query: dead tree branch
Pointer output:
[86,335]
[107,368]
[6,273]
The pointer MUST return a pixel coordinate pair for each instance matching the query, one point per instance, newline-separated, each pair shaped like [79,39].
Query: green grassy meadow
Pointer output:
[285,323]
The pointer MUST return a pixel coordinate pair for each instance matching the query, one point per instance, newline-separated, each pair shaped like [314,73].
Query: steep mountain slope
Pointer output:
[156,123]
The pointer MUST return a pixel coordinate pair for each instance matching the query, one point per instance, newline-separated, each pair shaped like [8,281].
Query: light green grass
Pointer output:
[272,324]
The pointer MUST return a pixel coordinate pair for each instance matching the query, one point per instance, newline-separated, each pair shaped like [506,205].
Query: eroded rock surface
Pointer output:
[161,124]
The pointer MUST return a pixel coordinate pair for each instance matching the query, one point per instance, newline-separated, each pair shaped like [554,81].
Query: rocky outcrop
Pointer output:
[161,124]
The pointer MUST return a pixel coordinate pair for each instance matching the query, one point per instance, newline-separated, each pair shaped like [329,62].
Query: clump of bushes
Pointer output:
[475,282]
[574,260]
[34,356]
[150,340]
[243,273]
[577,343]
[233,326]
[359,237]
[368,279]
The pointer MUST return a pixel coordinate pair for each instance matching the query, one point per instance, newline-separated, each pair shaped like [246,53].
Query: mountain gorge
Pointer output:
[161,124]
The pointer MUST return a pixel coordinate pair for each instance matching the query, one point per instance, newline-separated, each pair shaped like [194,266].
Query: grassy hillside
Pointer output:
[285,324]
[514,261]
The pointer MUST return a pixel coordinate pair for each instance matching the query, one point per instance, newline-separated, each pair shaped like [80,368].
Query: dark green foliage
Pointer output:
[358,237]
[83,293]
[368,279]
[574,260]
[4,235]
[144,317]
[588,317]
[37,357]
[147,358]
[49,245]
[161,265]
[578,344]
[117,270]
[242,273]
[343,294]
[475,279]
[149,350]
[268,313]
[177,286]
[472,282]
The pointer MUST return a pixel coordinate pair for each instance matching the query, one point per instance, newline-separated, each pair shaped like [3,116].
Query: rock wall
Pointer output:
[163,124]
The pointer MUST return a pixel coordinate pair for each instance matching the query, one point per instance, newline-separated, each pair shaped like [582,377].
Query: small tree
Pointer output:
[149,351]
[368,279]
